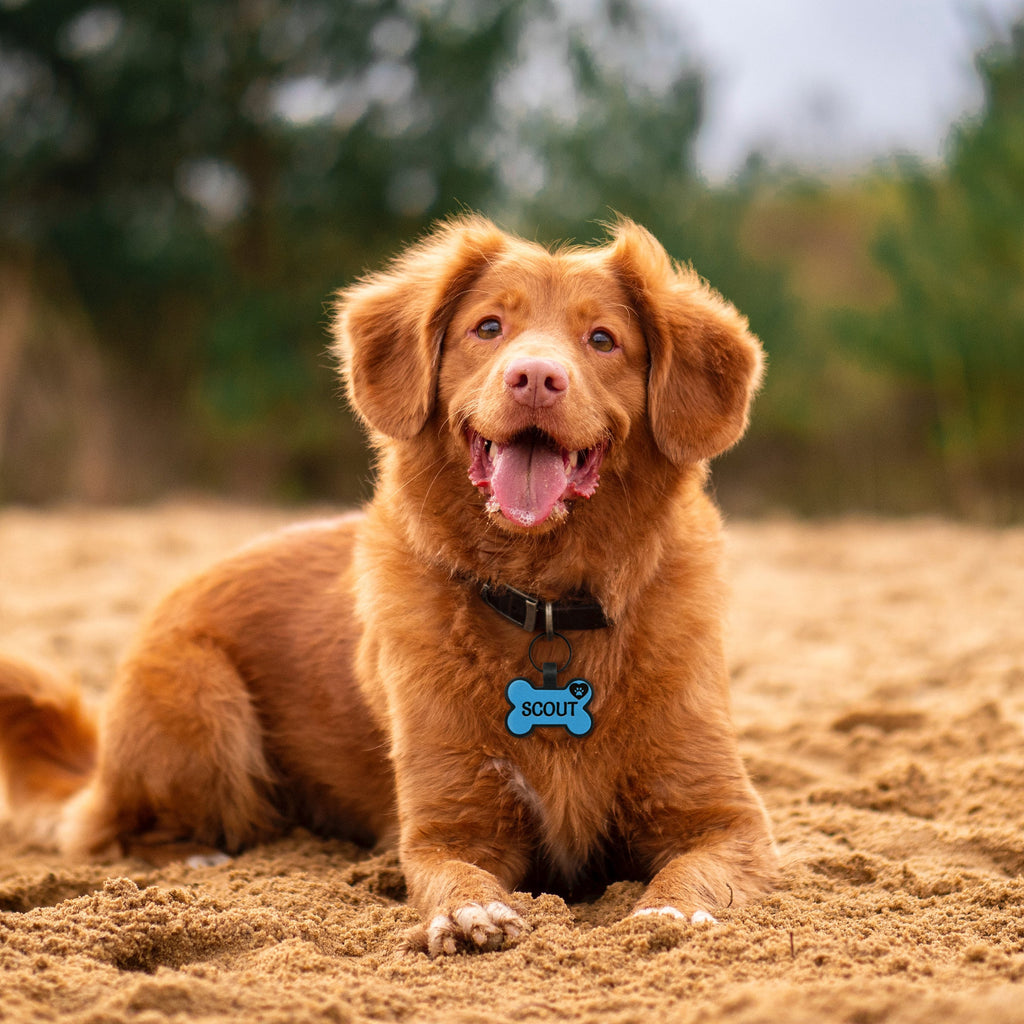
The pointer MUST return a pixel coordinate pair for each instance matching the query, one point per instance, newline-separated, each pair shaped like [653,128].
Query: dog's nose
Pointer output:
[536,382]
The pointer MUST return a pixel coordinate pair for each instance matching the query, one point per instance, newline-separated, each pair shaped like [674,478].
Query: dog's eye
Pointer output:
[602,340]
[489,329]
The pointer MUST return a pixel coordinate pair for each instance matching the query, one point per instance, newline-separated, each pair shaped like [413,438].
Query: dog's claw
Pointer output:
[474,927]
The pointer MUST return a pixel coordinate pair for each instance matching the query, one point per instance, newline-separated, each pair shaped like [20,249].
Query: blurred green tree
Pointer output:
[200,176]
[954,333]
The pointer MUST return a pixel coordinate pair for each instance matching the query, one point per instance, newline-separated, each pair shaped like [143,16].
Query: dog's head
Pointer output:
[539,369]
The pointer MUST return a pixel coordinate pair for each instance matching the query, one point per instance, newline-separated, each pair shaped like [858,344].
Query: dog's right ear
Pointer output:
[705,365]
[388,327]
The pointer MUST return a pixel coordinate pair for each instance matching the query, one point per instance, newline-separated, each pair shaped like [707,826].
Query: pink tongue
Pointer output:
[527,481]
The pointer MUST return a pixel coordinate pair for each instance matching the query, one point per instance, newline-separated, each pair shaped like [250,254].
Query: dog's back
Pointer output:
[240,678]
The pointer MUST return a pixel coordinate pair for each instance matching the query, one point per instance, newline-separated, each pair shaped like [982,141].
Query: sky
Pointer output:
[834,84]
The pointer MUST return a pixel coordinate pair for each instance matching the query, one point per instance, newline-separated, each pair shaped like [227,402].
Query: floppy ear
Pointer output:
[704,364]
[388,327]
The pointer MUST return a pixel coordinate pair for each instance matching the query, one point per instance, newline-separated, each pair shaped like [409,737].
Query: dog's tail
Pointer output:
[48,744]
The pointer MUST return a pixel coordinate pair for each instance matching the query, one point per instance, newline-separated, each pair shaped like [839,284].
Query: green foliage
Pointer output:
[954,334]
[204,175]
[183,185]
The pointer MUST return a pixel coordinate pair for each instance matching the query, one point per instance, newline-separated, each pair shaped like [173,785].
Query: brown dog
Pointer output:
[542,422]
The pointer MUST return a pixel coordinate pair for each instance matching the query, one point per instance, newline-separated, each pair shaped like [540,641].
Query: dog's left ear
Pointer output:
[705,364]
[388,327]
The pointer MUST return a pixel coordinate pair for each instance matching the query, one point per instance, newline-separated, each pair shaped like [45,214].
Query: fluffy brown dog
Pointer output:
[542,422]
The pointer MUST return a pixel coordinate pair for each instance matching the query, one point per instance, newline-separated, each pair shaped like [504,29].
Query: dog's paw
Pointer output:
[214,859]
[473,927]
[698,916]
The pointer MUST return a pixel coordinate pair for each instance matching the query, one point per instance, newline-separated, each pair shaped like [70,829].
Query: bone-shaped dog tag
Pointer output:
[565,707]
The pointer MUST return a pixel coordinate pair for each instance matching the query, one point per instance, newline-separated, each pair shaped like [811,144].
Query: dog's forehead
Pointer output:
[579,282]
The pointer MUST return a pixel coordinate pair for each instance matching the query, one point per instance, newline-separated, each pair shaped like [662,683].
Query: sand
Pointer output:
[879,693]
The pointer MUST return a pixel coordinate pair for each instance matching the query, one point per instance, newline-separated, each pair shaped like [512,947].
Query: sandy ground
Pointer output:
[879,690]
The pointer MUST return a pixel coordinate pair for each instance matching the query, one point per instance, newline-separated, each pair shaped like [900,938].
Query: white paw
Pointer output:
[207,860]
[699,916]
[475,927]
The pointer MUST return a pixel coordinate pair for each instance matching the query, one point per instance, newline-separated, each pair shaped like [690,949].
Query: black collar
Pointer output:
[537,615]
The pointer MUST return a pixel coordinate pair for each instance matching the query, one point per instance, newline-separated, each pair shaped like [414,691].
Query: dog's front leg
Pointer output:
[462,849]
[727,861]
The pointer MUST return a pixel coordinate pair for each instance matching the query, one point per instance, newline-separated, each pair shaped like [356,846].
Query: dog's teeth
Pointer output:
[574,459]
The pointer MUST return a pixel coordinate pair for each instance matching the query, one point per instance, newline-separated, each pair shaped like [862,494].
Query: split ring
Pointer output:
[553,636]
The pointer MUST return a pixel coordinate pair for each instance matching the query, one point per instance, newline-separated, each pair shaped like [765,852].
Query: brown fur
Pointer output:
[348,676]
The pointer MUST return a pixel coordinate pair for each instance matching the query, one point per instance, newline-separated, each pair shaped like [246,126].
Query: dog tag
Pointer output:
[565,707]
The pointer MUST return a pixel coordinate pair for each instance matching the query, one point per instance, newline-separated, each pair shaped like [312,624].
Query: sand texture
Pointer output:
[879,691]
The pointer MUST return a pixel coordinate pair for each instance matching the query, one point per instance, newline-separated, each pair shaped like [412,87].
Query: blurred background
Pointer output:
[184,183]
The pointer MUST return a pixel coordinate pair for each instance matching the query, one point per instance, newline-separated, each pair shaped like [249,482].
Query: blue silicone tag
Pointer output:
[565,707]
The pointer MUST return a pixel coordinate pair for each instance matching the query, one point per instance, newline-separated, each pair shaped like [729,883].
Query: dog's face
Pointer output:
[543,372]
[538,371]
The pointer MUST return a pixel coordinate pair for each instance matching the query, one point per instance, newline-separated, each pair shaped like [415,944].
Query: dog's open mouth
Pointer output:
[530,478]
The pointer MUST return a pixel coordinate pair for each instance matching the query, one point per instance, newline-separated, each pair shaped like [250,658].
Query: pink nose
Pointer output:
[536,382]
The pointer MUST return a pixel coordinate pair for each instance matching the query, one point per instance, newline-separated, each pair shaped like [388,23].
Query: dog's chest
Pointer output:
[568,806]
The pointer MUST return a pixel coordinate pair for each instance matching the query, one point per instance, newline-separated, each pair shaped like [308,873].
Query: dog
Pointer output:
[510,665]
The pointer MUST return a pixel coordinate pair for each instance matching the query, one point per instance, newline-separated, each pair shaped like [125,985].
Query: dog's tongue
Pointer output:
[527,480]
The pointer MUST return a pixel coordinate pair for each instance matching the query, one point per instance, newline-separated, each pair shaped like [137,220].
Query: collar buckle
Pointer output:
[531,613]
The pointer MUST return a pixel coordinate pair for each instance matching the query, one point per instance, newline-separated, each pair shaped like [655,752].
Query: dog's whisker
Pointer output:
[426,494]
[408,482]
